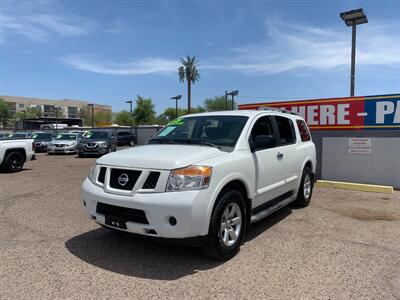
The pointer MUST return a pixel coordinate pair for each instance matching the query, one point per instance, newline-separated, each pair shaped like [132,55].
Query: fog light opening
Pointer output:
[172,221]
[84,203]
[94,217]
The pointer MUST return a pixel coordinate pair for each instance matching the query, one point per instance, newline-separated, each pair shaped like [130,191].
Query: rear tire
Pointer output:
[228,225]
[306,188]
[80,155]
[14,162]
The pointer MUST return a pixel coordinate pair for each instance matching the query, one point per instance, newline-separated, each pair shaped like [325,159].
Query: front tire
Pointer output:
[14,162]
[306,188]
[228,225]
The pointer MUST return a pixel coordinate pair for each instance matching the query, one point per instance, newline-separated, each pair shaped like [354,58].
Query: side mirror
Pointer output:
[263,142]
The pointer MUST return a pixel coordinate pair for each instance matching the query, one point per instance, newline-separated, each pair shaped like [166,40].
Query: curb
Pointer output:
[385,189]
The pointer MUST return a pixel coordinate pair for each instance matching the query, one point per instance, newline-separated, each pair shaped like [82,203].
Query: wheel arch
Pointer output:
[20,150]
[232,182]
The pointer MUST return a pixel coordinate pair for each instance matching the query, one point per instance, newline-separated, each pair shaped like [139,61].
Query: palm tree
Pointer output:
[188,71]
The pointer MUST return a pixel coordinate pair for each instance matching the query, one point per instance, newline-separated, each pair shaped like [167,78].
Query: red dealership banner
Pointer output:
[366,112]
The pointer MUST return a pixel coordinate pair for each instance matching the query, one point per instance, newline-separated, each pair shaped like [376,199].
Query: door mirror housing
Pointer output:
[263,142]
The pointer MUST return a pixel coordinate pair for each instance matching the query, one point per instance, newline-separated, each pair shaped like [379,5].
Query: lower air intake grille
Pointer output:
[128,214]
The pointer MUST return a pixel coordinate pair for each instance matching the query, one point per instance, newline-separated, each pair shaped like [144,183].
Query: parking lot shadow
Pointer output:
[136,256]
[262,226]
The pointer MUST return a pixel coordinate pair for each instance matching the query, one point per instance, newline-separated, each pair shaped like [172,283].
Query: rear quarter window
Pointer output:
[303,129]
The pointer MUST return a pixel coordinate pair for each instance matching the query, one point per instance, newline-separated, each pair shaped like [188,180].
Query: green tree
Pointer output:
[217,103]
[32,112]
[188,71]
[144,113]
[4,112]
[102,117]
[123,118]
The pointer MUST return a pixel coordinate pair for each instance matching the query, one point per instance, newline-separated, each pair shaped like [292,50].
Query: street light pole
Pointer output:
[92,121]
[56,107]
[130,112]
[353,58]
[353,18]
[176,98]
[233,93]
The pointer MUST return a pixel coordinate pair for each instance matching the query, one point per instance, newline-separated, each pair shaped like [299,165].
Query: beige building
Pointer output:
[67,107]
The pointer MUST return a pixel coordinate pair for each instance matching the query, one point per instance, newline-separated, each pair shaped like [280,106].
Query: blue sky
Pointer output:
[111,51]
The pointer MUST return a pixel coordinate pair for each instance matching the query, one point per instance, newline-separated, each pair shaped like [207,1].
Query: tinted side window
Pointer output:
[123,133]
[263,126]
[286,130]
[303,129]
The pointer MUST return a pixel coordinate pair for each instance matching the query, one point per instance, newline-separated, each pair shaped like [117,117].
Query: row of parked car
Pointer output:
[17,148]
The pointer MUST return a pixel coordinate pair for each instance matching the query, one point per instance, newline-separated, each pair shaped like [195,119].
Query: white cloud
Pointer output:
[144,66]
[292,47]
[285,48]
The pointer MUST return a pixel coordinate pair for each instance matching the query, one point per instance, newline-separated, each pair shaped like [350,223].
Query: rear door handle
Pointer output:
[279,155]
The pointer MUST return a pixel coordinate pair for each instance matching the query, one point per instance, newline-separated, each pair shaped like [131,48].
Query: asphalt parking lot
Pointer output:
[344,245]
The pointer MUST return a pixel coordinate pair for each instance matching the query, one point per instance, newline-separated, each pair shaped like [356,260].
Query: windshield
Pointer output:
[22,135]
[215,131]
[42,136]
[96,135]
[66,136]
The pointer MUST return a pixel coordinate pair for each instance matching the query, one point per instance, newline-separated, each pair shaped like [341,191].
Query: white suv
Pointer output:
[206,175]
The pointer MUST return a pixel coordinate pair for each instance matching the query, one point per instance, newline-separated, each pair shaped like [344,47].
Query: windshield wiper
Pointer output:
[161,141]
[197,142]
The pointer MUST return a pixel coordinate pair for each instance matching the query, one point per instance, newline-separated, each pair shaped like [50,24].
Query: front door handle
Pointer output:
[279,155]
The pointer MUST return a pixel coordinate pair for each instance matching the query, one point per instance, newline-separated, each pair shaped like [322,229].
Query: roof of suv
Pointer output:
[248,113]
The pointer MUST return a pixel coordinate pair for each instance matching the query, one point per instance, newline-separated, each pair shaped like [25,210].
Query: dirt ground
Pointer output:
[346,244]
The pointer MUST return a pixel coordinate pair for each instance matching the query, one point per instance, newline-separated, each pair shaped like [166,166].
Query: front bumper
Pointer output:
[93,151]
[61,150]
[189,208]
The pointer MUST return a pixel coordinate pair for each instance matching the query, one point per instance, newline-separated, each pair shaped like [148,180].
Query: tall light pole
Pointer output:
[176,98]
[92,106]
[130,111]
[353,18]
[56,108]
[233,94]
[23,122]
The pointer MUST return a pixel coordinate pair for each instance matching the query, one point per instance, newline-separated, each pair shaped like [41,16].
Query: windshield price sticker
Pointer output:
[166,130]
[176,122]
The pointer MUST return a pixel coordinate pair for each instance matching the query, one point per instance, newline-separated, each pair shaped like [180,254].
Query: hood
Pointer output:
[162,157]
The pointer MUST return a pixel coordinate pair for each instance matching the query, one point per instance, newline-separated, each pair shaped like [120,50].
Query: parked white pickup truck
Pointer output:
[14,153]
[206,175]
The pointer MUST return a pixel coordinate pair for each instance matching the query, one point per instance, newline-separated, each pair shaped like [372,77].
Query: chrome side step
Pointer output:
[262,214]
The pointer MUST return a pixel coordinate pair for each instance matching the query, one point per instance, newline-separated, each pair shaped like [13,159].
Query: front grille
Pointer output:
[123,179]
[91,145]
[59,145]
[102,174]
[125,213]
[151,180]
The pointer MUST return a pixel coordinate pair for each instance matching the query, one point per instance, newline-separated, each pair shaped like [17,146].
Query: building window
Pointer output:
[72,112]
[21,105]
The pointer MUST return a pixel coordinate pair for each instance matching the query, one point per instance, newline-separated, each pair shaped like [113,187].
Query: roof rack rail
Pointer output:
[277,109]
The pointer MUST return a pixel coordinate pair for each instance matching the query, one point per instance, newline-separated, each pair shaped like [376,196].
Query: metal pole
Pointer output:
[23,122]
[226,100]
[56,120]
[232,101]
[92,118]
[353,58]
[130,109]
[176,107]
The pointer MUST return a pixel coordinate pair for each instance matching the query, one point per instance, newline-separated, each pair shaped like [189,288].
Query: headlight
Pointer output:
[190,178]
[92,174]
[102,144]
[74,143]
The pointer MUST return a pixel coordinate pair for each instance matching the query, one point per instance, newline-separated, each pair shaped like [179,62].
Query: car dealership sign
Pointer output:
[369,112]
